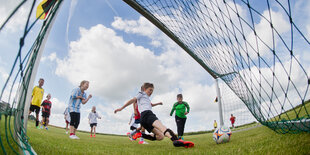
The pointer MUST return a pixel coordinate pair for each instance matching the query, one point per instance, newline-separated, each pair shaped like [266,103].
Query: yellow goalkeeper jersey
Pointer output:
[37,96]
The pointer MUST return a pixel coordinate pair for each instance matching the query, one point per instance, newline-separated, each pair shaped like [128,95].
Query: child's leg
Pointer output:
[43,122]
[160,131]
[77,122]
[71,129]
[163,129]
[158,134]
[47,121]
[37,118]
[91,130]
[67,126]
[72,123]
[142,131]
[94,130]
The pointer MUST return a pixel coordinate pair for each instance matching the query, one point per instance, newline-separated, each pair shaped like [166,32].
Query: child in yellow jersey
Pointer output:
[215,124]
[36,99]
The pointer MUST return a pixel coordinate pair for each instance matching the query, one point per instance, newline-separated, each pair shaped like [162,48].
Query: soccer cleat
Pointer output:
[94,136]
[137,135]
[76,137]
[46,128]
[72,137]
[38,127]
[91,135]
[143,142]
[186,144]
[66,132]
[129,136]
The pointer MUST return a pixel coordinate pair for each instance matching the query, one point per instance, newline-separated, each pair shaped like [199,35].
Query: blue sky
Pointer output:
[116,49]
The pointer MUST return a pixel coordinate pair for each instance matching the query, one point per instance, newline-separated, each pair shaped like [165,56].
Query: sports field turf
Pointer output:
[260,140]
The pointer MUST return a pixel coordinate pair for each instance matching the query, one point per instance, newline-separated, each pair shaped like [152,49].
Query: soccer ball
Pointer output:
[222,135]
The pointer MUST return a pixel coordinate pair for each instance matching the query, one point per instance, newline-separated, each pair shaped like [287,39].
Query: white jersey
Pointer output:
[67,115]
[144,102]
[93,117]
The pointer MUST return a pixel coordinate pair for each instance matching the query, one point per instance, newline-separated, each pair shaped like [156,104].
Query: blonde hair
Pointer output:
[83,82]
[92,109]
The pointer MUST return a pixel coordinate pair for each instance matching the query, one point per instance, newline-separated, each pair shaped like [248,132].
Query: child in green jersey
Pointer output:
[181,109]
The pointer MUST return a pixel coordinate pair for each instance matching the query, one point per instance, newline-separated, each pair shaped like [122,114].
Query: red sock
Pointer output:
[71,134]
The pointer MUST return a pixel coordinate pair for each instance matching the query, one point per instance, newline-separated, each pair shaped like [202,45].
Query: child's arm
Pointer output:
[98,116]
[172,110]
[130,120]
[85,101]
[89,118]
[187,107]
[42,105]
[127,104]
[155,104]
[134,109]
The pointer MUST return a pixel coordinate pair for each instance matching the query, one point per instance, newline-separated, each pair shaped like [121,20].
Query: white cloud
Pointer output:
[51,57]
[141,26]
[117,69]
[3,74]
[267,86]
[263,42]
[18,21]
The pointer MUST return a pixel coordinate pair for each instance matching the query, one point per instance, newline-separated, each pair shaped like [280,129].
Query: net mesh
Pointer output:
[255,47]
[13,138]
[232,105]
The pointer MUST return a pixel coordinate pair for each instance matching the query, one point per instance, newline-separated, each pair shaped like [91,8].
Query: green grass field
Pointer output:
[302,111]
[260,140]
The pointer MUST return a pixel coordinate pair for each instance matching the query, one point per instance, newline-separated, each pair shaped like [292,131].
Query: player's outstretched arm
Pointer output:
[127,104]
[155,104]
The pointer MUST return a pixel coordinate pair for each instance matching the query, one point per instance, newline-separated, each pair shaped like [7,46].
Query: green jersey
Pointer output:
[180,109]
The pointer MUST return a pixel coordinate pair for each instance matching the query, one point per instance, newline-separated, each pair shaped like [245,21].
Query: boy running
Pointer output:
[78,97]
[92,120]
[36,99]
[46,110]
[149,120]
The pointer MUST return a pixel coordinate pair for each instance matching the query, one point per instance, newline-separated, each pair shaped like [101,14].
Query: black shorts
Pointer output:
[147,120]
[45,114]
[34,108]
[75,119]
[137,121]
[93,124]
[132,128]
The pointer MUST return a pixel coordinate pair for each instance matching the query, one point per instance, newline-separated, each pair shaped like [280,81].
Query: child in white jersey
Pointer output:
[67,119]
[77,97]
[92,120]
[149,120]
